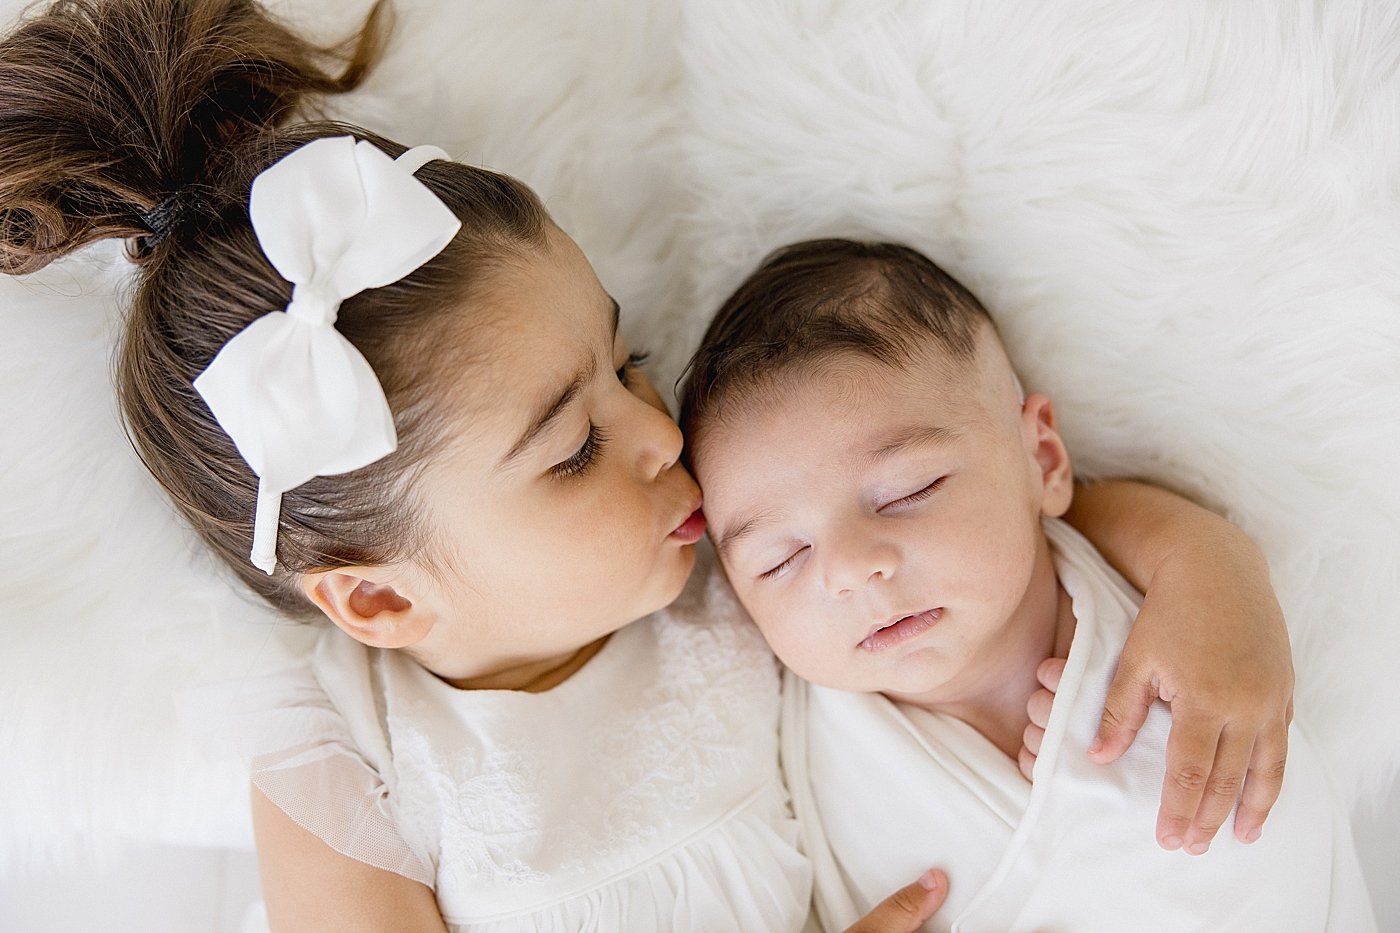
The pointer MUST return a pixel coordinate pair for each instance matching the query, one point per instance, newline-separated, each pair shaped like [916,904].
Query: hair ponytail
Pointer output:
[110,109]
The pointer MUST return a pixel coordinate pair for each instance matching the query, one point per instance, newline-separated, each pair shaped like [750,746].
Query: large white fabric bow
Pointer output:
[334,218]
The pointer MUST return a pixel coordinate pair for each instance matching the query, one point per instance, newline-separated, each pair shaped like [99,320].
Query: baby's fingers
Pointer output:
[1031,740]
[1025,760]
[1263,782]
[1038,710]
[906,910]
[1191,746]
[1049,673]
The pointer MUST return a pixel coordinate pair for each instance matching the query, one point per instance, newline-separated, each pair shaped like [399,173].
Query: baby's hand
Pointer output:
[1038,708]
[906,910]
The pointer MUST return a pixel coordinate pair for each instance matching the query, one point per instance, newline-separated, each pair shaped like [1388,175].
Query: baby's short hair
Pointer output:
[811,300]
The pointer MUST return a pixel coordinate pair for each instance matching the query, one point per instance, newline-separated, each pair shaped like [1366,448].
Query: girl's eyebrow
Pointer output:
[549,412]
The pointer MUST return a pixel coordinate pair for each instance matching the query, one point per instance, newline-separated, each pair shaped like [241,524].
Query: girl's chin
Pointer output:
[670,578]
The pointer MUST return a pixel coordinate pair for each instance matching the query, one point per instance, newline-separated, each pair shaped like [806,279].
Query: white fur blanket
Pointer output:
[1185,217]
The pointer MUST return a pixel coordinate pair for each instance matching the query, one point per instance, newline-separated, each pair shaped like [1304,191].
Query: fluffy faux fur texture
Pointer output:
[1184,218]
[1182,214]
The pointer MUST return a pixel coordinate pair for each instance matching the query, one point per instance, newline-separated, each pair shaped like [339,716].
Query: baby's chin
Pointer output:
[913,684]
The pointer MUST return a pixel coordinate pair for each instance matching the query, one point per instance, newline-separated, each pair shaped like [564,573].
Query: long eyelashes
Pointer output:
[922,494]
[770,574]
[597,438]
[584,457]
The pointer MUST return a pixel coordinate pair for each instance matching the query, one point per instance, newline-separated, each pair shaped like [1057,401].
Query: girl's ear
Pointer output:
[1049,453]
[375,614]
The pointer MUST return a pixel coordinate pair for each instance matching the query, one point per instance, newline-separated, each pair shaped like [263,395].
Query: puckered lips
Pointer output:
[901,629]
[690,530]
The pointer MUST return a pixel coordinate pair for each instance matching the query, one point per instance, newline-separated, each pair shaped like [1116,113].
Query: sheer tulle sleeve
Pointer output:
[313,733]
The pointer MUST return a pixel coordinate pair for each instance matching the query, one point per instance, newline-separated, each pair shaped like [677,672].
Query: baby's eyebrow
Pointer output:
[743,529]
[911,436]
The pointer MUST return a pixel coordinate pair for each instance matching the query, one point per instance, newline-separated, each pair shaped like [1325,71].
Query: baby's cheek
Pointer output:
[784,627]
[773,632]
[797,647]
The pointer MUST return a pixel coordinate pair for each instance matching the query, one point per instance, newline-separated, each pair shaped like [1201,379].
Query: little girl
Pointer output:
[389,392]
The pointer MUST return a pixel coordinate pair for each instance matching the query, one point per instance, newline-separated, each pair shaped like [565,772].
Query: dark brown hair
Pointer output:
[811,300]
[108,108]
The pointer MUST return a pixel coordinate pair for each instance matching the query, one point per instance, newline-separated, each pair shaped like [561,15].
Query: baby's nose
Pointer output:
[857,563]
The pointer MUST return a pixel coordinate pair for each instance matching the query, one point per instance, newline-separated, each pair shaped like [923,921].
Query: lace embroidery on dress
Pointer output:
[481,807]
[699,724]
[689,731]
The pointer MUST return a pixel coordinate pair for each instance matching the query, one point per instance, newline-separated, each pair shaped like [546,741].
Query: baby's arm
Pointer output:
[1210,640]
[309,887]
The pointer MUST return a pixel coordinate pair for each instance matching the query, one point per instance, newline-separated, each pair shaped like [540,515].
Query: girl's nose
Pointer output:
[858,558]
[659,440]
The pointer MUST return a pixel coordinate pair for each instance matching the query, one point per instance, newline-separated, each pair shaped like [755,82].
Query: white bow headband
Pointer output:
[298,400]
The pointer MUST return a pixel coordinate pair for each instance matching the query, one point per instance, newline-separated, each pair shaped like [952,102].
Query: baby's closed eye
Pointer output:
[784,566]
[913,498]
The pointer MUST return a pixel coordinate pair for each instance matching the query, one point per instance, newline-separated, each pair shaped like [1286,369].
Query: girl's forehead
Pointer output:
[542,329]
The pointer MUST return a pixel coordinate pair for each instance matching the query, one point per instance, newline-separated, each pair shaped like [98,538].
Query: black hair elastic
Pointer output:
[175,209]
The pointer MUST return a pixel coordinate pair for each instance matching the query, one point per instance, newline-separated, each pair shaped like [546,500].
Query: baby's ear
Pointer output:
[378,614]
[1048,450]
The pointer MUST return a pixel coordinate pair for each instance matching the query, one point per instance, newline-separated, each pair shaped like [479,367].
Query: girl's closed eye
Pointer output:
[784,567]
[915,497]
[596,439]
[584,457]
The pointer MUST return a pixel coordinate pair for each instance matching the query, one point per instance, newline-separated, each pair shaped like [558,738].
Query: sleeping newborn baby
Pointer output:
[886,505]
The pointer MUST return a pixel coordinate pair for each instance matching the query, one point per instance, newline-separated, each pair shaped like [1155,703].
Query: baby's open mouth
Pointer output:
[901,629]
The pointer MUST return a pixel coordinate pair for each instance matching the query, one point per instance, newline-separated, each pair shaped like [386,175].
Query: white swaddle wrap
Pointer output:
[886,790]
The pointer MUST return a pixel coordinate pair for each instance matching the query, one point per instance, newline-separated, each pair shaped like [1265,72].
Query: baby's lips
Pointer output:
[901,629]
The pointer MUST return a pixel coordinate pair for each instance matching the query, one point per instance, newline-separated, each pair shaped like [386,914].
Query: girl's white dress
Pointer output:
[642,794]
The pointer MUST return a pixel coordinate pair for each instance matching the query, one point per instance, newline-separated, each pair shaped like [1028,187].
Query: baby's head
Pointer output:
[874,481]
[534,501]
